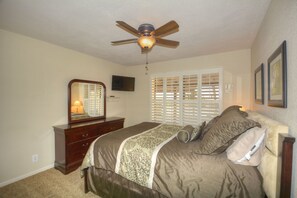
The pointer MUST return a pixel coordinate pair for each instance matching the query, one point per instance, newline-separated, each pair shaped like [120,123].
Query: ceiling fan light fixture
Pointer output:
[146,41]
[148,36]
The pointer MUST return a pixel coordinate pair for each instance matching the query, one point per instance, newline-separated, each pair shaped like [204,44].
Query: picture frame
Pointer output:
[277,77]
[259,84]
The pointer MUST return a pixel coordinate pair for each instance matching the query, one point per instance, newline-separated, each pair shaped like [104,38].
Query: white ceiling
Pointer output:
[88,26]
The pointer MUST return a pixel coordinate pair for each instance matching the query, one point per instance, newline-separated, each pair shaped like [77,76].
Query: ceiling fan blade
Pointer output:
[128,28]
[121,42]
[169,27]
[167,43]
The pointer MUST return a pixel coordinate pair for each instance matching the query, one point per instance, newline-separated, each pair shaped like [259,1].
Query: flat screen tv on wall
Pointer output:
[123,83]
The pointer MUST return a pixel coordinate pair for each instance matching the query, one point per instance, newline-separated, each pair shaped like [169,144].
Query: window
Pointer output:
[186,98]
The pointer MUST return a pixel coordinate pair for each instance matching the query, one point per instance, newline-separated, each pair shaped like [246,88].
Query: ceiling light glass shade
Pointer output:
[146,41]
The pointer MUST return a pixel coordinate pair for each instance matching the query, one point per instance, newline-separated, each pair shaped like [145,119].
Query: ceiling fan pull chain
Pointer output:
[146,64]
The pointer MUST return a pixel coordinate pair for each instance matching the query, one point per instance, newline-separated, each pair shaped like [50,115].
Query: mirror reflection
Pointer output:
[87,101]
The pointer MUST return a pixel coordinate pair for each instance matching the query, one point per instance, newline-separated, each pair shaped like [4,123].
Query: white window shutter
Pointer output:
[190,100]
[92,94]
[210,97]
[172,100]
[185,98]
[100,98]
[157,99]
[86,97]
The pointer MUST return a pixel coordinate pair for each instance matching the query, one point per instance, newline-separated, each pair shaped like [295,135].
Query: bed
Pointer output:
[121,164]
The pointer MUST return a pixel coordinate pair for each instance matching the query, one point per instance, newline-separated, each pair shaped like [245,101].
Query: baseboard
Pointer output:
[26,175]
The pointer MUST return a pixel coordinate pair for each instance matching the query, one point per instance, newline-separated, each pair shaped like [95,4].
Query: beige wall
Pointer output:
[279,24]
[236,66]
[33,83]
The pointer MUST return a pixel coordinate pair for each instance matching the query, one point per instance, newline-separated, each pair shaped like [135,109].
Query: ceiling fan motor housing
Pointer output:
[146,29]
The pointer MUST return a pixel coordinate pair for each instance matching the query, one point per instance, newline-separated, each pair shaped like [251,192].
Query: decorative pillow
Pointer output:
[224,147]
[185,134]
[215,119]
[208,126]
[197,131]
[233,107]
[243,113]
[226,128]
[248,148]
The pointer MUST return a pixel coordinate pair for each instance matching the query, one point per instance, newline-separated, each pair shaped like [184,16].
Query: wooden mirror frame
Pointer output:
[70,120]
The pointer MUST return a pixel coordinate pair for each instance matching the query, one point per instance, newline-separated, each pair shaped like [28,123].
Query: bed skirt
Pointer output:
[108,184]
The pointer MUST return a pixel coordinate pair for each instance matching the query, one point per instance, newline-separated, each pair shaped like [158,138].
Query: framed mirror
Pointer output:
[86,101]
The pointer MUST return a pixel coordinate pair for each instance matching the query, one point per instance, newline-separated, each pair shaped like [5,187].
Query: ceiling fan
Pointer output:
[148,36]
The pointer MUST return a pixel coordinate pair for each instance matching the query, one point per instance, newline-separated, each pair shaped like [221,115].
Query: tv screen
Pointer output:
[122,83]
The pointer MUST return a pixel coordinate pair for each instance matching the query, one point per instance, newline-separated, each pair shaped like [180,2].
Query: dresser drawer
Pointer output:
[113,126]
[81,145]
[78,150]
[79,134]
[76,156]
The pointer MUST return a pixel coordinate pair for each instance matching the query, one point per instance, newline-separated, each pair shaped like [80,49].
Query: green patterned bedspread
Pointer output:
[137,155]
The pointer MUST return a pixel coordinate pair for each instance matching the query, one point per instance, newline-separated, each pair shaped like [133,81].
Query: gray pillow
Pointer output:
[235,108]
[197,132]
[243,113]
[185,134]
[208,126]
[215,119]
[230,108]
[225,146]
[226,128]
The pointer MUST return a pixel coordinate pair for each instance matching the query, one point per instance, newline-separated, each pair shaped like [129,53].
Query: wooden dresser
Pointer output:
[73,140]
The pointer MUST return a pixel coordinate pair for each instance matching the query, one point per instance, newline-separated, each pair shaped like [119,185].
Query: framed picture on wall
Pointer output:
[259,84]
[277,77]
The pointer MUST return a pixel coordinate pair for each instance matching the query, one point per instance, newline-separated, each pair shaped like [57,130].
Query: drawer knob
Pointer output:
[86,144]
[85,135]
[83,154]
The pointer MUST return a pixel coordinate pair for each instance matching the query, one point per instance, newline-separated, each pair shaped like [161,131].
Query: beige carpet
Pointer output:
[51,183]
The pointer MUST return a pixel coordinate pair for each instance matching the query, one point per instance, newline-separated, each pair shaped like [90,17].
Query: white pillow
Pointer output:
[248,148]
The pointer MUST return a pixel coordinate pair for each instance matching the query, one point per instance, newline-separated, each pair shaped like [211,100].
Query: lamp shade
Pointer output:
[146,41]
[77,107]
[77,103]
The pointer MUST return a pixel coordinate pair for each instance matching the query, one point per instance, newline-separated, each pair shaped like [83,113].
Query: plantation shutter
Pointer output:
[185,98]
[92,100]
[190,100]
[157,99]
[210,96]
[93,93]
[100,91]
[172,100]
[86,97]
